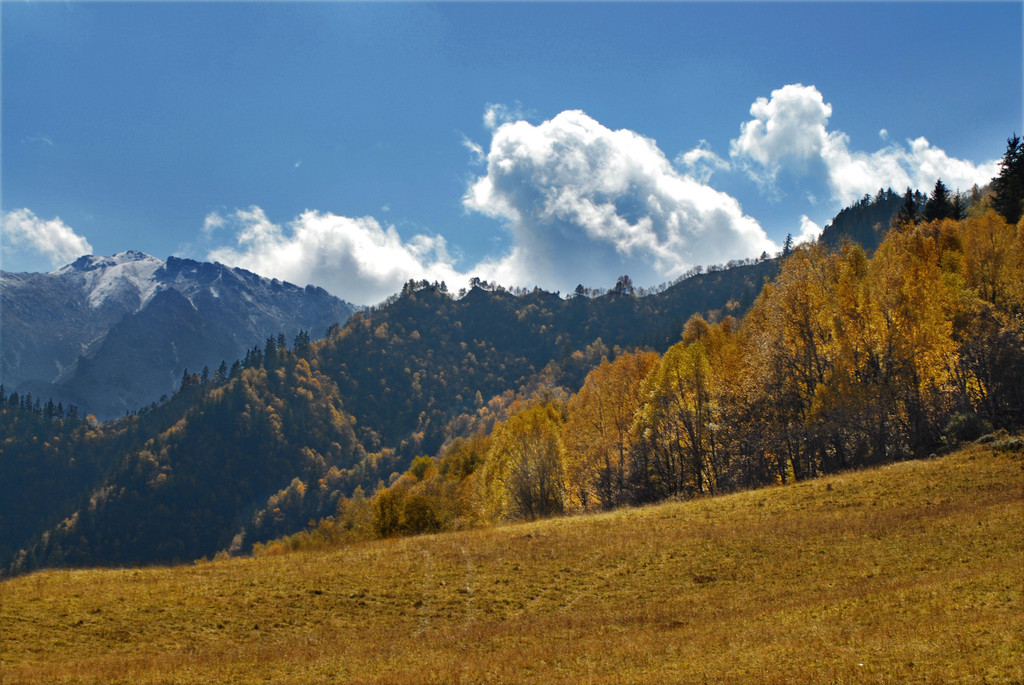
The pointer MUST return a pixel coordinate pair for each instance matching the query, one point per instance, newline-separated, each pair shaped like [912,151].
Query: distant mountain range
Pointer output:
[113,334]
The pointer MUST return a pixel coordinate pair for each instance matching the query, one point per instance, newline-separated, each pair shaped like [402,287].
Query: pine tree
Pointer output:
[958,208]
[1009,184]
[221,376]
[301,344]
[939,205]
[907,213]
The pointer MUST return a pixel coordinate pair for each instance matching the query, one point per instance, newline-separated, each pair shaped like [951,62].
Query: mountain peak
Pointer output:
[127,274]
[94,262]
[133,256]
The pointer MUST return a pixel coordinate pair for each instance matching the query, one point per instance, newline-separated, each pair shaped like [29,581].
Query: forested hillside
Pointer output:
[255,450]
[435,411]
[842,362]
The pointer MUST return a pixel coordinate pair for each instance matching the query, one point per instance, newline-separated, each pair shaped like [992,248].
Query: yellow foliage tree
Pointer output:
[789,335]
[523,476]
[679,419]
[597,435]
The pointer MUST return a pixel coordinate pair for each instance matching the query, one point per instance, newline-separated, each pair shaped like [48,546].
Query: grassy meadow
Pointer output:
[908,573]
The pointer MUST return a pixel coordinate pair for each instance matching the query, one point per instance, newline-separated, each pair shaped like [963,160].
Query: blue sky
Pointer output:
[358,145]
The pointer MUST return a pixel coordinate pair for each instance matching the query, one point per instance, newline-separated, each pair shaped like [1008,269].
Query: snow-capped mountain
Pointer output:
[122,278]
[112,334]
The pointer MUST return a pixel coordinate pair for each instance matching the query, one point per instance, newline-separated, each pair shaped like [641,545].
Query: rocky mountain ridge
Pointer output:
[112,334]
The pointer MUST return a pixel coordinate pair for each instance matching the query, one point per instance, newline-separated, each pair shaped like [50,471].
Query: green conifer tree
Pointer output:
[1009,184]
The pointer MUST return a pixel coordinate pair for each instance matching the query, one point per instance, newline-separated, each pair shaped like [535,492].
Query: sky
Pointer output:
[356,146]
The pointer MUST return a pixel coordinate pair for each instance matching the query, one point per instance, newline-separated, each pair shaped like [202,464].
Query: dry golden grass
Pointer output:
[909,573]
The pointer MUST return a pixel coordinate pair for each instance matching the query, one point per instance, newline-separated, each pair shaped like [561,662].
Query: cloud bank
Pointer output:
[701,162]
[585,203]
[790,131]
[357,259]
[52,239]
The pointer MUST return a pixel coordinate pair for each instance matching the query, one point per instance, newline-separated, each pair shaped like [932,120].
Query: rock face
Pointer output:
[112,334]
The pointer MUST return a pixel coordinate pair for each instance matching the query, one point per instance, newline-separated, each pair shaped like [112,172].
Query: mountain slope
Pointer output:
[864,223]
[112,334]
[50,320]
[259,454]
[907,573]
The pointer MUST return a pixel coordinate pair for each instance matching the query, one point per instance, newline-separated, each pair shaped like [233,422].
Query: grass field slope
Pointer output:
[911,573]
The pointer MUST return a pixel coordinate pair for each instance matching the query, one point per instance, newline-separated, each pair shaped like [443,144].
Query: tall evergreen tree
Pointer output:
[1009,184]
[301,344]
[908,210]
[939,205]
[958,207]
[221,376]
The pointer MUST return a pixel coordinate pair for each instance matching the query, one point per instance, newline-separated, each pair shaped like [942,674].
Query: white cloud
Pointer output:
[701,162]
[809,231]
[918,166]
[53,239]
[497,114]
[475,149]
[790,131]
[586,204]
[212,222]
[789,128]
[356,259]
[884,134]
[45,140]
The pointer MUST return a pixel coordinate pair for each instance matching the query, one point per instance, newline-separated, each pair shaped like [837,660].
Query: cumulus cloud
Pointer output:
[918,165]
[701,162]
[585,203]
[53,239]
[790,130]
[497,114]
[357,259]
[211,223]
[809,231]
[790,127]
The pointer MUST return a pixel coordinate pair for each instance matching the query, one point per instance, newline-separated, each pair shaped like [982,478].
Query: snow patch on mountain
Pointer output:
[111,334]
[123,277]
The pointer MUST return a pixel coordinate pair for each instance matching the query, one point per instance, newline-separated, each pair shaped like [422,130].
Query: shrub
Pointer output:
[965,428]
